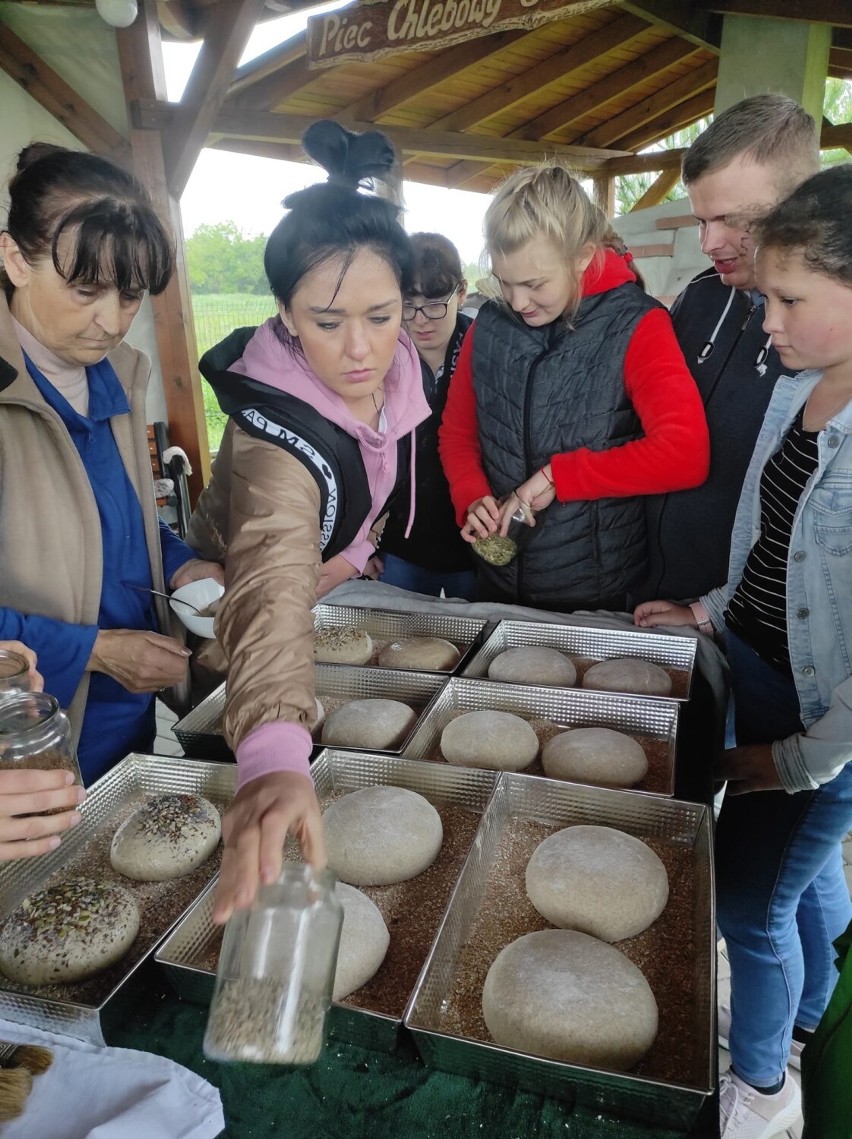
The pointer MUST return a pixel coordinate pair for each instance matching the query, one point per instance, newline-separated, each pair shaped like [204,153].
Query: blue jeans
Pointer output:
[782,896]
[407,575]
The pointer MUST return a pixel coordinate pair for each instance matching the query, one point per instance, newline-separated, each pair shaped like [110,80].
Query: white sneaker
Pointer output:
[748,1114]
[724,1018]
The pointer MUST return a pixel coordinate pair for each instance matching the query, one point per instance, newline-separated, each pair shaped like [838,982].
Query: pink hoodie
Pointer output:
[269,357]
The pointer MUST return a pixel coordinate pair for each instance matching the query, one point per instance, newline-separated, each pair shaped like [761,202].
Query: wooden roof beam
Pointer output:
[840,63]
[255,86]
[280,151]
[642,163]
[669,96]
[441,66]
[836,135]
[269,126]
[208,85]
[59,99]
[676,118]
[639,70]
[615,34]
[811,11]
[656,192]
[694,22]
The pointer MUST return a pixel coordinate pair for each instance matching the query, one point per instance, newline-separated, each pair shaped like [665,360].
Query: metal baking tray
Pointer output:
[186,953]
[653,723]
[386,625]
[685,825]
[108,798]
[200,731]
[587,646]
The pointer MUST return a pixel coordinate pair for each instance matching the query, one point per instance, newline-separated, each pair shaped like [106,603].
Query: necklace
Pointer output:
[378,406]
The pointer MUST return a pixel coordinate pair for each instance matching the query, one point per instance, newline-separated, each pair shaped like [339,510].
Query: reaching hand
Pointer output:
[483,517]
[333,573]
[140,661]
[24,793]
[749,768]
[652,613]
[536,493]
[254,828]
[195,570]
[36,679]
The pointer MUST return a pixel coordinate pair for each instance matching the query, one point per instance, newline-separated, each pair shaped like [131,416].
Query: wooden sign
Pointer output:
[375,28]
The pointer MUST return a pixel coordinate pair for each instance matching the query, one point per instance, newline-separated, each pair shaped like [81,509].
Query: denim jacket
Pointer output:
[819,586]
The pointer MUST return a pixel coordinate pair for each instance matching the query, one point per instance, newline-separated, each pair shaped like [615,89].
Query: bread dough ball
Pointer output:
[570,997]
[168,836]
[343,646]
[380,835]
[364,941]
[598,880]
[319,719]
[432,654]
[499,741]
[68,932]
[529,664]
[628,674]
[595,755]
[369,723]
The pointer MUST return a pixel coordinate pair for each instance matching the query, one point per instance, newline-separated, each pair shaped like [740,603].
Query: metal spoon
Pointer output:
[168,597]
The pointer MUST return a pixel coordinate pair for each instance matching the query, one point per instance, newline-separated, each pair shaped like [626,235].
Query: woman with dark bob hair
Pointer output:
[323,401]
[80,540]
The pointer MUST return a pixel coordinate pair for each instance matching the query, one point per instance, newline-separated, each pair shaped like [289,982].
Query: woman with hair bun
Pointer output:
[80,541]
[323,400]
[571,400]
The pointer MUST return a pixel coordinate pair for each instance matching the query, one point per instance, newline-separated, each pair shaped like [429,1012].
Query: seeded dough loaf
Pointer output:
[598,880]
[369,723]
[428,653]
[499,741]
[364,941]
[380,835]
[600,756]
[168,836]
[570,997]
[529,664]
[343,646]
[68,932]
[628,674]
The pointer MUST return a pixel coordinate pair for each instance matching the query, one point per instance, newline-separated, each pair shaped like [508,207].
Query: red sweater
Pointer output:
[673,454]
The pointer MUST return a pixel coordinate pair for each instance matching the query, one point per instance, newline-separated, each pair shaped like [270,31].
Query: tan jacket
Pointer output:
[263,507]
[51,560]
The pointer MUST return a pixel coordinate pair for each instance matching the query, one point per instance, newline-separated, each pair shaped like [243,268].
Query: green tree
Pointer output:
[837,108]
[222,259]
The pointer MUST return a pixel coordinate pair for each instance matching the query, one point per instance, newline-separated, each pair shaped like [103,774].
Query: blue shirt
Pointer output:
[115,721]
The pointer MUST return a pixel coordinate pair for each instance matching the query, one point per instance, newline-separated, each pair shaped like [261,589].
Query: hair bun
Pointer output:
[36,151]
[349,158]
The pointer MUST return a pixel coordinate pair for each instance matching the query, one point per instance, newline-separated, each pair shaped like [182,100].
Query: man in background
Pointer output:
[752,156]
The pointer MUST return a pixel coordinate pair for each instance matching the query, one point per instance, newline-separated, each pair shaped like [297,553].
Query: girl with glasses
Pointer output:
[571,399]
[433,557]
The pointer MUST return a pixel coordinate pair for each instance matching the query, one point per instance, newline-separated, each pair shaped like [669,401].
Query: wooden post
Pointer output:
[140,54]
[603,187]
[657,191]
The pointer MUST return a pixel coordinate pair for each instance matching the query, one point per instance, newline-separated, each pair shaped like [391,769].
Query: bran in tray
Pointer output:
[160,905]
[412,911]
[664,952]
[657,781]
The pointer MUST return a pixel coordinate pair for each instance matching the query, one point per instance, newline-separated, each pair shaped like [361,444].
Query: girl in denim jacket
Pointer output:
[786,617]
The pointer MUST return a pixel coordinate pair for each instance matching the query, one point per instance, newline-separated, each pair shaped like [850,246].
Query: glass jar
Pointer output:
[14,674]
[276,972]
[36,733]
[498,549]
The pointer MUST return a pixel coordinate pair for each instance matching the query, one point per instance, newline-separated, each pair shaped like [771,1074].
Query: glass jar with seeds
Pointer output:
[14,674]
[500,549]
[276,971]
[36,733]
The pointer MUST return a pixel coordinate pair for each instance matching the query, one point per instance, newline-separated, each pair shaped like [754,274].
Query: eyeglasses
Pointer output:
[432,310]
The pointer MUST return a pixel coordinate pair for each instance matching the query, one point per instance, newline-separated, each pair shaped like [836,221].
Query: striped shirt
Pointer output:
[757,613]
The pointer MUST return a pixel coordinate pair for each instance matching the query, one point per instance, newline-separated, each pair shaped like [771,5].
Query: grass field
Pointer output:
[216,316]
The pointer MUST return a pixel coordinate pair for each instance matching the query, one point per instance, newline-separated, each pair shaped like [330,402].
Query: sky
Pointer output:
[249,190]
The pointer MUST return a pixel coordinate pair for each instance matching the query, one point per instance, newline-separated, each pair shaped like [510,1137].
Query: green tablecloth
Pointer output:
[355,1093]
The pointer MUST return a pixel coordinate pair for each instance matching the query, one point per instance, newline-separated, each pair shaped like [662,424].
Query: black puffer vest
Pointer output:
[544,391]
[331,455]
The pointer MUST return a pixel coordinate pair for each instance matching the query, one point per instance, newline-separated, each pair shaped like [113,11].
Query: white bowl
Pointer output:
[200,594]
